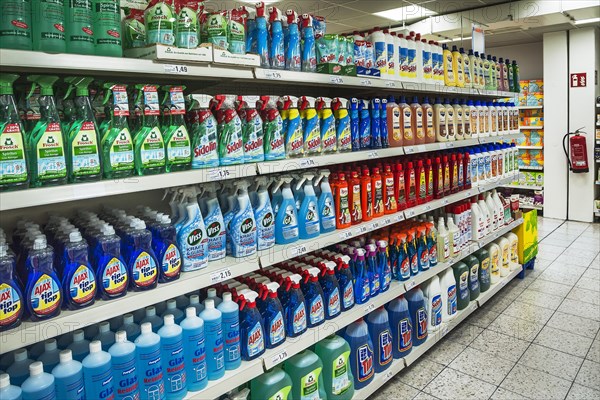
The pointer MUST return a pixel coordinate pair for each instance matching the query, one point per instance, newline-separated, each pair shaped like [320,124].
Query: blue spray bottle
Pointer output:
[292,126]
[403,258]
[355,124]
[383,266]
[418,315]
[309,54]
[372,269]
[141,260]
[344,276]
[230,315]
[383,124]
[43,291]
[8,391]
[376,142]
[381,334]
[276,46]
[194,350]
[422,249]
[272,313]
[11,294]
[123,360]
[413,255]
[264,217]
[51,355]
[294,307]
[309,225]
[213,221]
[111,270]
[313,297]
[213,333]
[171,354]
[293,60]
[243,224]
[262,35]
[401,326]
[331,290]
[191,238]
[361,353]
[325,204]
[39,385]
[286,218]
[165,247]
[252,333]
[343,132]
[365,124]
[149,364]
[362,287]
[98,373]
[310,125]
[250,13]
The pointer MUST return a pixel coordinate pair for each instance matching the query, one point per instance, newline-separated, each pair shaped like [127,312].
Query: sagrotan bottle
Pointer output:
[439,121]
[430,133]
[449,75]
[458,67]
[461,277]
[450,120]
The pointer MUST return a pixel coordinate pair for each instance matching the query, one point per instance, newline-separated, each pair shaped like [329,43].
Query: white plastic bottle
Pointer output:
[492,208]
[403,57]
[485,119]
[390,54]
[443,244]
[504,245]
[466,119]
[493,119]
[495,262]
[499,208]
[427,62]
[448,288]
[450,121]
[514,250]
[479,116]
[380,50]
[455,237]
[458,119]
[514,118]
[412,58]
[433,298]
[474,159]
[419,59]
[397,49]
[493,162]
[477,220]
[485,213]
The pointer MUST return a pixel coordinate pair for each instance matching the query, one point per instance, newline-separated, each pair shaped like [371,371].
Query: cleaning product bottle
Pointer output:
[16,22]
[116,141]
[362,286]
[413,255]
[43,290]
[272,313]
[11,295]
[8,391]
[472,264]
[365,124]
[449,302]
[149,145]
[433,297]
[334,352]
[107,28]
[165,247]
[286,218]
[39,385]
[310,126]
[345,282]
[47,162]
[176,136]
[141,260]
[343,126]
[192,238]
[97,372]
[483,256]
[243,224]
[19,368]
[263,213]
[361,353]
[79,27]
[294,307]
[372,270]
[229,128]
[325,203]
[48,26]
[78,278]
[80,346]
[331,290]
[461,277]
[262,35]
[160,20]
[380,332]
[252,128]
[313,298]
[305,370]
[123,360]
[13,152]
[309,55]
[194,350]
[68,377]
[383,266]
[203,132]
[329,138]
[173,310]
[292,46]
[273,384]
[230,322]
[187,25]
[252,333]
[354,124]
[273,132]
[400,326]
[292,126]
[449,67]
[105,336]
[51,355]
[171,353]
[308,216]
[215,358]
[276,43]
[149,365]
[375,110]
[458,67]
[417,307]
[111,270]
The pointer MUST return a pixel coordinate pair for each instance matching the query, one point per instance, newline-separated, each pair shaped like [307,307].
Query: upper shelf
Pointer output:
[29,61]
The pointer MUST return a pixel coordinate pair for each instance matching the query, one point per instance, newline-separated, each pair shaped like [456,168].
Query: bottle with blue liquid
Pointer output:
[272,313]
[292,42]
[383,266]
[276,45]
[417,308]
[243,225]
[213,222]
[172,309]
[345,281]
[8,391]
[331,290]
[383,124]
[365,124]
[43,290]
[141,259]
[252,333]
[381,334]
[11,294]
[313,297]
[376,142]
[262,35]
[39,385]
[422,249]
[362,287]
[413,255]
[68,378]
[19,369]
[361,353]
[308,216]
[105,336]
[51,355]
[286,217]
[230,315]
[149,364]
[155,321]
[372,269]
[264,217]
[191,237]
[213,333]
[123,360]
[79,346]
[164,244]
[194,350]
[294,307]
[172,356]
[130,327]
[355,124]
[111,270]
[401,326]
[97,372]
[309,54]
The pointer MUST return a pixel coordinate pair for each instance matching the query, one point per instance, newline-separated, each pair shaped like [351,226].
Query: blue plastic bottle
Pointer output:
[174,311]
[11,294]
[8,391]
[372,269]
[111,269]
[68,378]
[376,124]
[413,255]
[211,293]
[171,354]
[292,42]
[355,124]
[130,327]
[365,124]
[286,217]
[51,355]
[80,346]
[331,290]
[164,244]
[243,224]
[383,266]
[195,303]
[326,204]
[383,127]
[213,222]
[19,369]
[381,334]
[403,259]
[401,326]
[276,45]
[271,311]
[294,307]
[230,315]
[252,332]
[264,217]
[155,321]
[422,249]
[213,332]
[309,55]
[418,315]
[43,292]
[97,372]
[361,353]
[39,385]
[123,359]
[141,260]
[344,276]
[149,364]
[313,298]
[105,336]
[308,216]
[362,287]
[78,278]
[194,350]
[262,36]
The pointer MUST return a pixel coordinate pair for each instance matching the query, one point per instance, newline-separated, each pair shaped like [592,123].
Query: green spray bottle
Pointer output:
[116,142]
[79,26]
[47,162]
[83,155]
[15,24]
[149,145]
[49,26]
[107,28]
[13,156]
[176,136]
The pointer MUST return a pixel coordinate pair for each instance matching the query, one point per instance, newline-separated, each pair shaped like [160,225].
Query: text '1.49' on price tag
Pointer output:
[220,276]
[176,69]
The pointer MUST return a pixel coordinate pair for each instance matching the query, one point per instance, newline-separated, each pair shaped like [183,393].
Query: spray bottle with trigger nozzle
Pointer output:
[213,221]
[310,125]
[272,312]
[192,238]
[293,61]
[176,136]
[116,141]
[263,215]
[327,123]
[276,45]
[286,217]
[273,132]
[293,129]
[308,214]
[326,204]
[243,225]
[343,130]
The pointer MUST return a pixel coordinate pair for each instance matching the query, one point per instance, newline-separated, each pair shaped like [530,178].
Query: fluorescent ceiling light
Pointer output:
[586,21]
[404,13]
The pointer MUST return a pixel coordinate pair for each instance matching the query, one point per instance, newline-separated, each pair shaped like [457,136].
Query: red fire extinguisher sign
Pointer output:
[579,79]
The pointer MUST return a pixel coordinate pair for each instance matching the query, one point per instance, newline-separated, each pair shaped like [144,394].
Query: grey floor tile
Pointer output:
[551,361]
[591,273]
[541,264]
[591,254]
[589,375]
[573,260]
[555,242]
[516,327]
[483,317]
[585,295]
[558,277]
[580,245]
[394,389]
[500,345]
[565,267]
[573,323]
[464,333]
[553,288]
[580,392]
[564,341]
[595,263]
[479,364]
[503,394]
[540,299]
[581,309]
[424,396]
[445,351]
[529,312]
[535,384]
[589,284]
[451,384]
[594,353]
[498,304]
[419,374]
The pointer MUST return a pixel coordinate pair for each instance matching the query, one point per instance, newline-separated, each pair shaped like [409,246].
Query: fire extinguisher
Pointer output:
[578,161]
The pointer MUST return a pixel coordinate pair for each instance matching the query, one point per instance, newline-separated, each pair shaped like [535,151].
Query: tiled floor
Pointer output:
[538,338]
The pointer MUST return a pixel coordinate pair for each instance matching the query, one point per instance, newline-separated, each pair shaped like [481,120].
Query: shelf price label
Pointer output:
[176,69]
[345,235]
[450,145]
[361,229]
[308,162]
[373,154]
[365,82]
[369,308]
[218,173]
[410,285]
[387,221]
[299,250]
[275,75]
[375,225]
[336,80]
[279,357]
[220,276]
[410,213]
[400,217]
[390,84]
[388,375]
[409,150]
[444,330]
[445,201]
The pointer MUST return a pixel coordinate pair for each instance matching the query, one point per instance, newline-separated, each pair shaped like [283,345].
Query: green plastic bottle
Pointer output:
[177,138]
[83,150]
[516,76]
[160,22]
[149,145]
[274,384]
[473,264]
[13,156]
[107,28]
[79,26]
[116,143]
[461,275]
[484,269]
[15,24]
[334,351]
[306,369]
[47,164]
[49,26]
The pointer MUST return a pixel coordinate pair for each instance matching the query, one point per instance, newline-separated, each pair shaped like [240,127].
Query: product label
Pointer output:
[405,335]
[145,270]
[84,151]
[348,298]
[253,138]
[436,310]
[389,191]
[328,219]
[385,347]
[13,168]
[277,329]
[328,136]
[160,23]
[282,394]
[485,271]
[312,139]
[256,343]
[364,362]
[195,250]
[309,385]
[340,378]
[344,214]
[473,279]
[421,323]
[187,28]
[463,285]
[312,219]
[126,380]
[121,151]
[290,223]
[405,268]
[419,133]
[178,147]
[451,122]
[205,144]
[317,311]
[45,296]
[299,323]
[82,287]
[114,277]
[52,28]
[333,306]
[452,305]
[378,198]
[294,140]
[412,62]
[50,153]
[153,149]
[10,305]
[231,149]
[171,262]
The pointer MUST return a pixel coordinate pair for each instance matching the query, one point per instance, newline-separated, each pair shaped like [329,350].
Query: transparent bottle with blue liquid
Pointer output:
[271,311]
[252,332]
[68,378]
[164,244]
[172,355]
[313,298]
[372,269]
[97,372]
[39,385]
[11,299]
[230,315]
[123,360]
[345,281]
[362,287]
[78,277]
[331,290]
[149,364]
[43,290]
[383,266]
[294,307]
[194,350]
[111,269]
[213,333]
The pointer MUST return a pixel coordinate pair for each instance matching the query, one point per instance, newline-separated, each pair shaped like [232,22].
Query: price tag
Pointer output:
[337,80]
[390,84]
[220,276]
[345,235]
[307,162]
[450,145]
[427,207]
[374,225]
[388,375]
[445,201]
[387,221]
[444,330]
[299,250]
[279,357]
[410,285]
[219,174]
[273,75]
[410,212]
[176,69]
[409,150]
[400,217]
[373,154]
[361,229]
[369,308]
[365,82]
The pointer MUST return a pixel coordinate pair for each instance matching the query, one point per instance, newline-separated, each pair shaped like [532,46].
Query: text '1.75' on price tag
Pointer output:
[220,276]
[176,69]
[218,173]
[308,162]
[336,80]
[279,357]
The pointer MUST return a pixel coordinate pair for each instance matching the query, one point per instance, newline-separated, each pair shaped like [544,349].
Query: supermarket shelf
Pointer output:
[32,332]
[379,380]
[531,107]
[530,168]
[525,187]
[495,235]
[531,127]
[485,296]
[506,137]
[422,148]
[531,207]
[110,187]
[530,147]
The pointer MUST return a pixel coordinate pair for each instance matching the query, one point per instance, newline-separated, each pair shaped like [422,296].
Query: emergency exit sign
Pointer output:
[579,79]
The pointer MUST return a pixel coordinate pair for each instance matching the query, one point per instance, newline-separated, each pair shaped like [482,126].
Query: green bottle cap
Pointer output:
[80,83]
[6,83]
[46,82]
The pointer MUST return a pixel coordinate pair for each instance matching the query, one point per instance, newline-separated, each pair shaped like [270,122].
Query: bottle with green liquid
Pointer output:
[47,162]
[79,26]
[15,24]
[107,28]
[49,26]
[13,156]
[176,136]
[116,142]
[149,146]
[83,155]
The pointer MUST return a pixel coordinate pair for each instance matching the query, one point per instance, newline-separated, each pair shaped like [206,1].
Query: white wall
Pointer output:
[529,56]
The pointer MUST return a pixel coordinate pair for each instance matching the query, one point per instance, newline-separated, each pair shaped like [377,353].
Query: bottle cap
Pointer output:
[104,327]
[190,312]
[75,237]
[169,319]
[209,304]
[65,356]
[40,242]
[211,293]
[146,328]
[194,299]
[78,335]
[127,318]
[120,337]
[21,355]
[36,368]
[150,311]
[50,345]
[226,296]
[171,304]
[4,380]
[95,347]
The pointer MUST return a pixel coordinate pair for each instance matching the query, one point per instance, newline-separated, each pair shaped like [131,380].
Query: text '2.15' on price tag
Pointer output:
[219,174]
[176,69]
[220,276]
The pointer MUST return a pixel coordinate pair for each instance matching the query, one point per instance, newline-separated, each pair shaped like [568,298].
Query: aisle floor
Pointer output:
[538,338]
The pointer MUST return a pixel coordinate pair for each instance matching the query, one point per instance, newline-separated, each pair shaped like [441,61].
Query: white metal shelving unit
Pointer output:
[526,187]
[531,207]
[531,127]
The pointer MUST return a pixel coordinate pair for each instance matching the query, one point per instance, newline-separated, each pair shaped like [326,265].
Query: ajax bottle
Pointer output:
[230,322]
[361,353]
[40,384]
[331,290]
[213,331]
[194,350]
[111,270]
[149,364]
[176,136]
[272,313]
[345,281]
[68,377]
[338,381]
[97,372]
[417,308]
[433,298]
[294,307]
[400,327]
[116,142]
[141,260]
[43,290]
[172,355]
[305,370]
[164,244]
[11,295]
[313,297]
[372,270]
[78,278]
[149,145]
[381,334]
[252,333]
[123,360]
[362,287]
[203,132]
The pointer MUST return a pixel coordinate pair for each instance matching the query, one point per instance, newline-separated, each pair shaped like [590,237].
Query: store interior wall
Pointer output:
[528,55]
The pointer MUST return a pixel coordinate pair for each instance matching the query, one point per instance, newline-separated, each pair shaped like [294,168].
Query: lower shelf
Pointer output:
[524,187]
[531,207]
